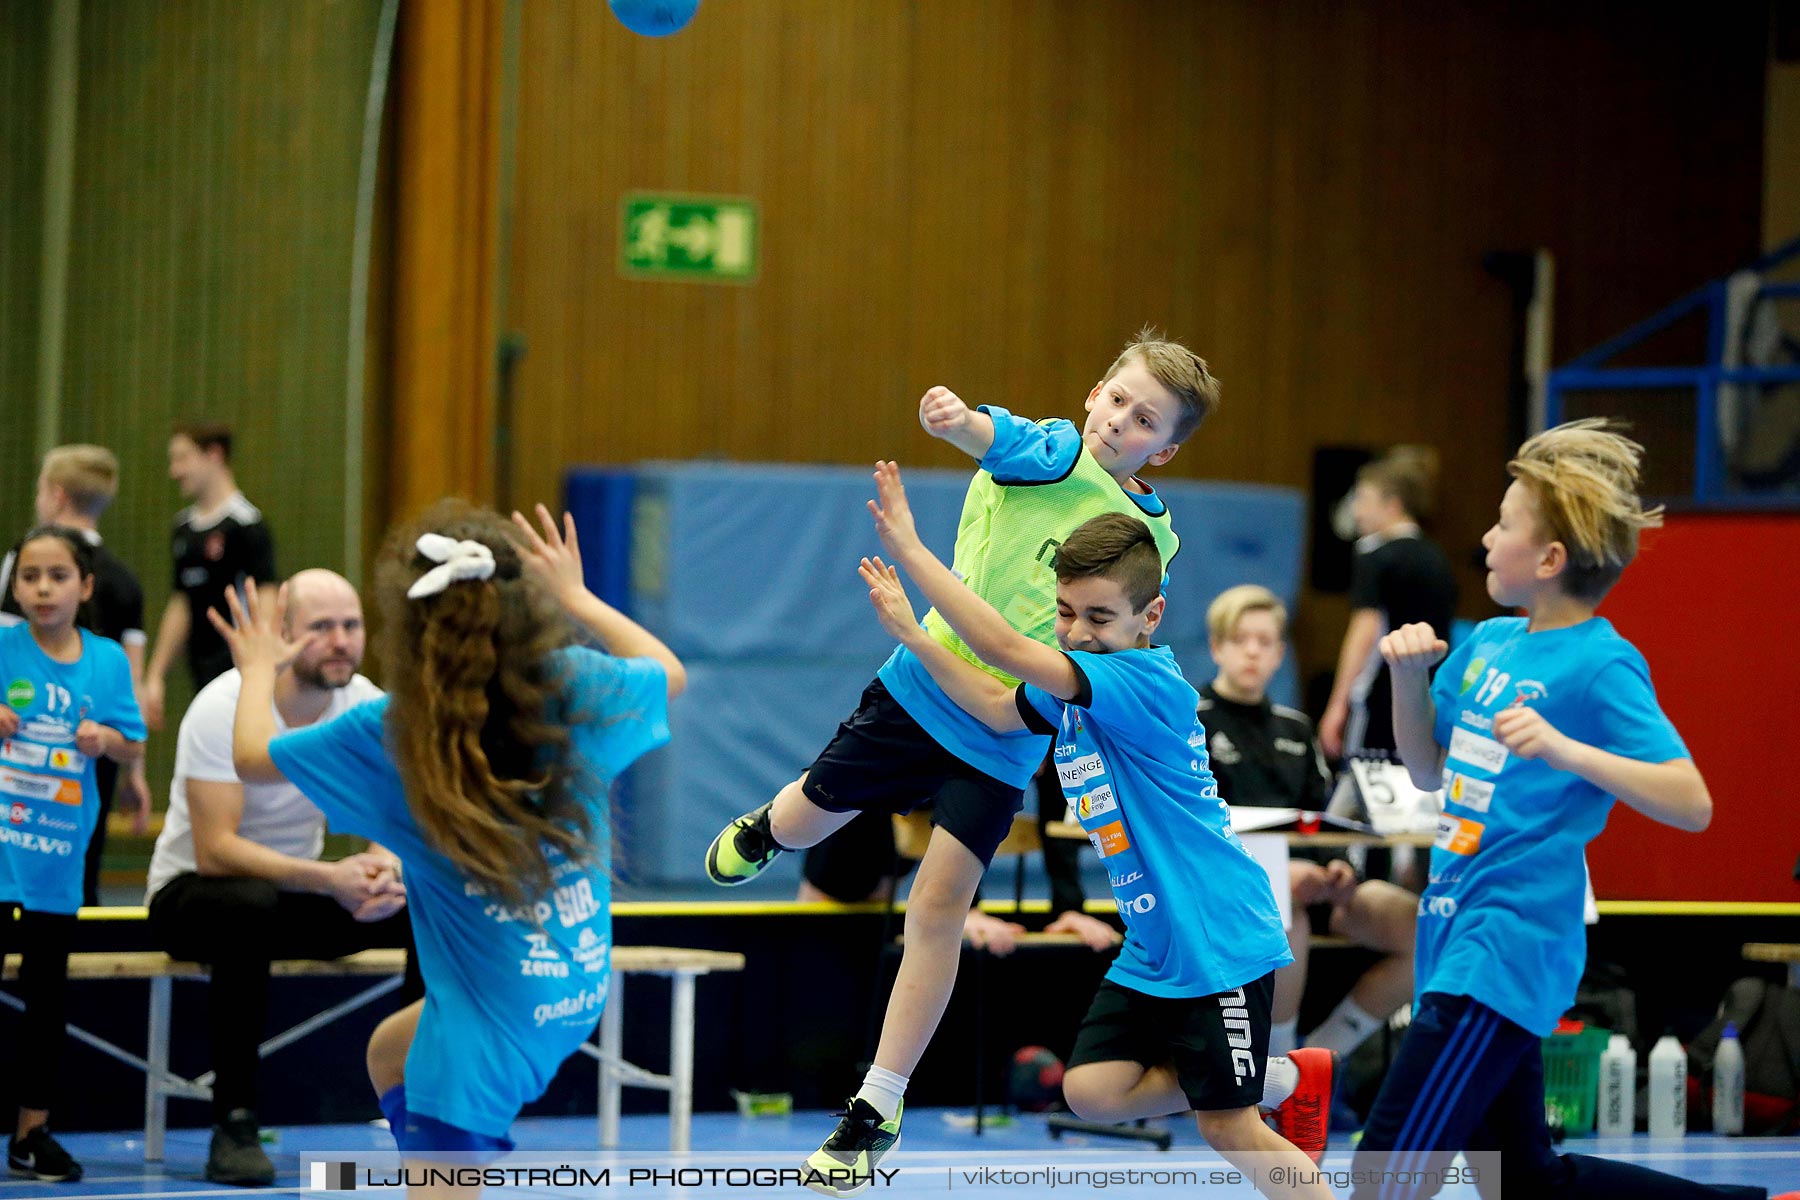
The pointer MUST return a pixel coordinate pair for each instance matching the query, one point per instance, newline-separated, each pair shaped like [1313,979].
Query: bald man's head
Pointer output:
[323,603]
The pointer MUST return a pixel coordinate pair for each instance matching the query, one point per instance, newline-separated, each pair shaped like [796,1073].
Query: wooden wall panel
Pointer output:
[24,56]
[217,148]
[216,168]
[995,195]
[444,208]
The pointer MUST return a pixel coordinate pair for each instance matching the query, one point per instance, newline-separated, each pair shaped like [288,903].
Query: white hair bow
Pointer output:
[458,561]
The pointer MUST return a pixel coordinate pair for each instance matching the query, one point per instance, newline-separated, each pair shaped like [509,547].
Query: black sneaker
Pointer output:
[39,1156]
[845,1164]
[236,1156]
[742,849]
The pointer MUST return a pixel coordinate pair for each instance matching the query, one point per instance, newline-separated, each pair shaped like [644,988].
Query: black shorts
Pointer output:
[881,761]
[851,863]
[1217,1044]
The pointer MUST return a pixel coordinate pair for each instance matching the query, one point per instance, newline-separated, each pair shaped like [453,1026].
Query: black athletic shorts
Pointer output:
[851,863]
[1217,1044]
[880,760]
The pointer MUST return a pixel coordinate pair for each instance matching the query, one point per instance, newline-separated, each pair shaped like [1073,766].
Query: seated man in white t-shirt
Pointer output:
[236,879]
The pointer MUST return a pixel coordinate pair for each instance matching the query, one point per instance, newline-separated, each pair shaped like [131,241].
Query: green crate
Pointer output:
[1572,1078]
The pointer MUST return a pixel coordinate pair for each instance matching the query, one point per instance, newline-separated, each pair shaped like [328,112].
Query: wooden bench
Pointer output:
[1776,952]
[680,966]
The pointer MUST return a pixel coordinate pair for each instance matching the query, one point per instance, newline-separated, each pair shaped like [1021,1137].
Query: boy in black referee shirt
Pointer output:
[219,541]
[1399,577]
[74,487]
[1265,754]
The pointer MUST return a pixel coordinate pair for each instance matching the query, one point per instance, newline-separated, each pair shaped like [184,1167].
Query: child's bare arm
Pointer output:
[985,630]
[94,740]
[1410,652]
[554,557]
[1672,792]
[944,415]
[975,691]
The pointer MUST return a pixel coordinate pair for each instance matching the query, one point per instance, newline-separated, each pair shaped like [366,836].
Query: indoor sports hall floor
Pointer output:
[937,1156]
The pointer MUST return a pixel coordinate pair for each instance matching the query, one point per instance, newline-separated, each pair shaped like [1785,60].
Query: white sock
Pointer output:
[1280,1078]
[1283,1036]
[883,1090]
[1345,1029]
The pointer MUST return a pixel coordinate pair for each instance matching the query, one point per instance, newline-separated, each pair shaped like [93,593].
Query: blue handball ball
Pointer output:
[654,18]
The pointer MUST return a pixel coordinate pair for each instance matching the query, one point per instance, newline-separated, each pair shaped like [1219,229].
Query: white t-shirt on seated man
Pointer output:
[219,826]
[236,879]
[274,815]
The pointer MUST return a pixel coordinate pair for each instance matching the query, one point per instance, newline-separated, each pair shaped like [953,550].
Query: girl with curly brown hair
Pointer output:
[486,769]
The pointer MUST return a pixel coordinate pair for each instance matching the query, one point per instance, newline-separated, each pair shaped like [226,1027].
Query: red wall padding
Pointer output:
[1713,601]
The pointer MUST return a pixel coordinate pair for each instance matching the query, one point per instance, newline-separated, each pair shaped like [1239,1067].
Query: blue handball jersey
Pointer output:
[509,993]
[1036,483]
[49,804]
[1200,916]
[1501,919]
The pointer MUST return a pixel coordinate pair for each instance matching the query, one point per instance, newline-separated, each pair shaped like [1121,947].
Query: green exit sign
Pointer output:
[688,237]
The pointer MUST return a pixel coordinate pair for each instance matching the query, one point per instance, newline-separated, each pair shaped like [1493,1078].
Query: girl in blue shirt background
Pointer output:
[486,769]
[1532,728]
[69,702]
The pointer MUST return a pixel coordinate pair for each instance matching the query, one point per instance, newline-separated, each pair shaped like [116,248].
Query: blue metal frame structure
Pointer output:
[1589,373]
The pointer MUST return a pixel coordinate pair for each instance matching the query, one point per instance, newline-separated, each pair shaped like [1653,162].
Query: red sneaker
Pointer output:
[1304,1118]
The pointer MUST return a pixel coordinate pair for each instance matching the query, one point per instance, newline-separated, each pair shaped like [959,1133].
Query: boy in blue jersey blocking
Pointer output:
[908,744]
[1533,727]
[1182,1019]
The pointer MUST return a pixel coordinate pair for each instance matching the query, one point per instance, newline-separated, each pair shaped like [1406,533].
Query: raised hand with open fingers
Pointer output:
[553,557]
[254,632]
[893,515]
[893,608]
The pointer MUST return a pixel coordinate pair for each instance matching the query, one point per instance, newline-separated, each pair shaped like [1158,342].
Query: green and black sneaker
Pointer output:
[845,1164]
[742,849]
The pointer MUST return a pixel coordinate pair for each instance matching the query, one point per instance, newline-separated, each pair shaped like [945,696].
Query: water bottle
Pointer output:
[1618,1088]
[1668,1088]
[1728,1083]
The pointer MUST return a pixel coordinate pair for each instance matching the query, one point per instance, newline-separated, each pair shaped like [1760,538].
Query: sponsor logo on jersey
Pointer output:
[1137,905]
[1529,691]
[1437,906]
[1470,793]
[1097,802]
[1077,772]
[36,842]
[1481,753]
[26,754]
[1110,839]
[39,787]
[48,730]
[1458,835]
